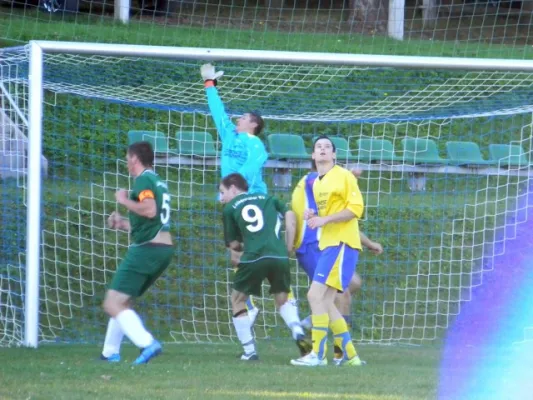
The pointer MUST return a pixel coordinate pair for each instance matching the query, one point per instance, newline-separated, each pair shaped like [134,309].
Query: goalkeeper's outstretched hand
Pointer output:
[209,74]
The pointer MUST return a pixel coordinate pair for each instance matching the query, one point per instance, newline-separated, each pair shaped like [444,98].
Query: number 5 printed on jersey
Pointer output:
[165,209]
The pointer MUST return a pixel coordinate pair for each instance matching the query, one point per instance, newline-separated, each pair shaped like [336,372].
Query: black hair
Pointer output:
[324,137]
[143,151]
[236,180]
[313,162]
[256,118]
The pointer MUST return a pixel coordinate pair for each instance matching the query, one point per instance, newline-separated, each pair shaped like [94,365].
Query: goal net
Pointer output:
[445,154]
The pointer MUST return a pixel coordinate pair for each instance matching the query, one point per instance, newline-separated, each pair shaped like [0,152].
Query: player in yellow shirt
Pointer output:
[340,205]
[308,252]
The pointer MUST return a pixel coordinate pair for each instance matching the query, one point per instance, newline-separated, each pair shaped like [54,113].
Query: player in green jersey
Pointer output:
[252,224]
[148,256]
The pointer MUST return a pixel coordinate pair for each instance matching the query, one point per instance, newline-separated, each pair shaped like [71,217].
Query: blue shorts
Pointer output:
[336,266]
[307,256]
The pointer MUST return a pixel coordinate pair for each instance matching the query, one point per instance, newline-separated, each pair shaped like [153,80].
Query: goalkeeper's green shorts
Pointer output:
[141,267]
[250,276]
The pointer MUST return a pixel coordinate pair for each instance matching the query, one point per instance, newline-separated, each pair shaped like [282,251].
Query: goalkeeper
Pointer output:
[242,151]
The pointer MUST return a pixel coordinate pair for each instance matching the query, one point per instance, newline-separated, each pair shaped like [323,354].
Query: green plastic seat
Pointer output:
[376,151]
[197,144]
[284,146]
[466,154]
[158,140]
[508,155]
[341,147]
[420,151]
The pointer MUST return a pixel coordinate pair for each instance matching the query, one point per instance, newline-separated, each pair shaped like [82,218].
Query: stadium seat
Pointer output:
[508,155]
[198,144]
[283,146]
[342,148]
[466,154]
[376,150]
[419,151]
[158,140]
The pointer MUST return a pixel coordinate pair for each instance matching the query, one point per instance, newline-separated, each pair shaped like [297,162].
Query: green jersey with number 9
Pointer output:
[255,220]
[149,185]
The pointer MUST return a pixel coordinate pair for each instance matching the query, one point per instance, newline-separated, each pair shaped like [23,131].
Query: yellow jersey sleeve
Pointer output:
[298,207]
[353,196]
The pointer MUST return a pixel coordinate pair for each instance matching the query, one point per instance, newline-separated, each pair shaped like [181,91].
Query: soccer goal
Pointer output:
[444,145]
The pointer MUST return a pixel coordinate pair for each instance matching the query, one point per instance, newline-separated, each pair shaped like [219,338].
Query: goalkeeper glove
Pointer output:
[209,75]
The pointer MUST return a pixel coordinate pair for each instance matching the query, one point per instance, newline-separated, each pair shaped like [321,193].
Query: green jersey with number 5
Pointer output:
[149,185]
[255,220]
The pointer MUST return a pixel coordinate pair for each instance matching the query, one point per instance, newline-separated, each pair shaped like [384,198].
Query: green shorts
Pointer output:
[140,268]
[250,276]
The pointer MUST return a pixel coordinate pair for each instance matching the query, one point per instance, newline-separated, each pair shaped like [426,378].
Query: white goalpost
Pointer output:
[86,99]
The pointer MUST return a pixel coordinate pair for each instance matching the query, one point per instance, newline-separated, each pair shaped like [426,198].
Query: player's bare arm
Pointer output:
[356,172]
[341,216]
[117,221]
[236,246]
[309,213]
[235,257]
[374,247]
[290,230]
[146,208]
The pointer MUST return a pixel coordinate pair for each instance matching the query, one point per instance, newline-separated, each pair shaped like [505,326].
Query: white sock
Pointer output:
[113,338]
[307,322]
[243,326]
[289,313]
[134,329]
[252,314]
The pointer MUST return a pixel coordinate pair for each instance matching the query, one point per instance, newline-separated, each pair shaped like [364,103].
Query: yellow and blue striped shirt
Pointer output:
[336,191]
[302,199]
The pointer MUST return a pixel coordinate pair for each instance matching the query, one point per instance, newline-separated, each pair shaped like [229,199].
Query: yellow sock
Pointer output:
[342,338]
[319,334]
[290,296]
[337,345]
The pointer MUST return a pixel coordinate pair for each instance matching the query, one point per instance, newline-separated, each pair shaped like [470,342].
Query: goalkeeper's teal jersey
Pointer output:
[241,152]
[149,185]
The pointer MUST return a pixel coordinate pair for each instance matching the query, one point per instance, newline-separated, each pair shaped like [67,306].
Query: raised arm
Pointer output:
[218,112]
